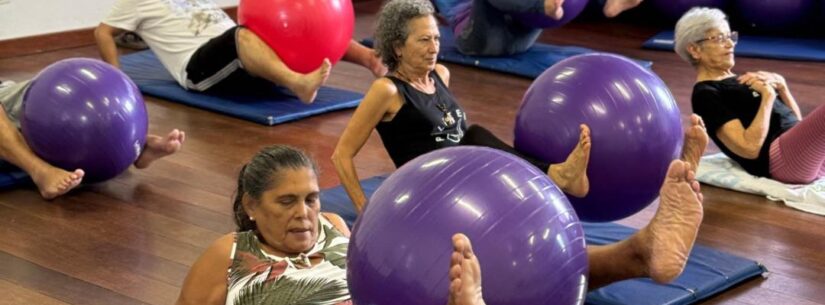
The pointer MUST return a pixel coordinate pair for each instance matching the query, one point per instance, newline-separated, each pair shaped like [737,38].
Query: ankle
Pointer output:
[639,250]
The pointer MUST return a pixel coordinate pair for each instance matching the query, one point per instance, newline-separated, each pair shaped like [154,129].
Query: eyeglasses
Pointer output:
[721,38]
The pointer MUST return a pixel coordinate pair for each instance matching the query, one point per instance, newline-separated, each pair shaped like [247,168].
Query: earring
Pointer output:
[251,218]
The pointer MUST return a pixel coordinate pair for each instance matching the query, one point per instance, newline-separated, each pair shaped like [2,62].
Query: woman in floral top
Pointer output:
[286,251]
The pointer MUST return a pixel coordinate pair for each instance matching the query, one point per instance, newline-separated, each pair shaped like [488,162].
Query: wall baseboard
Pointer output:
[57,41]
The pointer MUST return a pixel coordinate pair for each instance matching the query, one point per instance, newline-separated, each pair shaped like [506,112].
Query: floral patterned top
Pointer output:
[256,277]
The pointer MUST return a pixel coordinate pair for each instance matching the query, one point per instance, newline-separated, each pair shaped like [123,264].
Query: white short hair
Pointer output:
[693,26]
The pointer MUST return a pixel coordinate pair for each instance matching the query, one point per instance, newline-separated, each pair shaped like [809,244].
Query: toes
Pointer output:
[174,134]
[455,259]
[676,171]
[455,287]
[697,188]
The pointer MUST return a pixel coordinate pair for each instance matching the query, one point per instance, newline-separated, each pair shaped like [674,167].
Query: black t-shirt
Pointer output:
[424,123]
[719,102]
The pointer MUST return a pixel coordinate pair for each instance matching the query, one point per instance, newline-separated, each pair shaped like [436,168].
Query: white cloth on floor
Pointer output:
[719,170]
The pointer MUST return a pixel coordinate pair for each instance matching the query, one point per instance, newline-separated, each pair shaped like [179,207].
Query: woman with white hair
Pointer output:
[752,117]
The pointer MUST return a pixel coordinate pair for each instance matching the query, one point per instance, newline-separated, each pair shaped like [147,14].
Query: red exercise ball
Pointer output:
[301,32]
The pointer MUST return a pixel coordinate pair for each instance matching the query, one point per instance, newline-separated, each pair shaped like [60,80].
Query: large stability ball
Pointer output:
[572,9]
[777,16]
[301,32]
[634,122]
[84,113]
[674,9]
[527,237]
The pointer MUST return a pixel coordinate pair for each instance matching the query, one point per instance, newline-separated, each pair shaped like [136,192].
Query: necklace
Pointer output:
[446,115]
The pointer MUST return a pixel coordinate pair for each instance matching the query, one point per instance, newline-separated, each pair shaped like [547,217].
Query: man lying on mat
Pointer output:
[203,49]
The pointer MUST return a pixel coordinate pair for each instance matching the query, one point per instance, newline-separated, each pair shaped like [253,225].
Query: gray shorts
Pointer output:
[11,98]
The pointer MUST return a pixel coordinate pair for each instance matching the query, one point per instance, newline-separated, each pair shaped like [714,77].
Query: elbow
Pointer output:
[338,158]
[751,152]
[99,31]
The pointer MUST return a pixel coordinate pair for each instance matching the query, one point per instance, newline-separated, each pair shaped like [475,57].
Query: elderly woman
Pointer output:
[488,27]
[753,117]
[414,112]
[284,242]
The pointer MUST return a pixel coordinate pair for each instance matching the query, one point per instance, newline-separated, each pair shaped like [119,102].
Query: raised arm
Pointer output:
[381,103]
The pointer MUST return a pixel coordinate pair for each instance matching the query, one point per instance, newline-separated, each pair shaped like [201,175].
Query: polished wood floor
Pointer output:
[131,240]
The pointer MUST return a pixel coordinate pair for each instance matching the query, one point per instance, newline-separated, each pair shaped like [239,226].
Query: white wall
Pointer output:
[21,18]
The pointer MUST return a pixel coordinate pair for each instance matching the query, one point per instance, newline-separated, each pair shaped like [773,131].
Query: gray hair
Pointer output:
[393,29]
[693,26]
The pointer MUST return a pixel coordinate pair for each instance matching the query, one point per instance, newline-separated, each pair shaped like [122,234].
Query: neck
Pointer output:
[705,73]
[413,75]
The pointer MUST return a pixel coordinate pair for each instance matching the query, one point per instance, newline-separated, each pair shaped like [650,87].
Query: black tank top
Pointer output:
[424,123]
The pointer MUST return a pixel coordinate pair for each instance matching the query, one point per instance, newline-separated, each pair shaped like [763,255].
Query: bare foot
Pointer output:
[615,7]
[664,245]
[571,175]
[308,84]
[465,274]
[53,182]
[554,9]
[158,147]
[696,139]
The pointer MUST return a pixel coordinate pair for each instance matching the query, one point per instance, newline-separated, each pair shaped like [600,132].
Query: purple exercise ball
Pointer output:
[779,16]
[572,9]
[634,122]
[84,113]
[674,9]
[528,240]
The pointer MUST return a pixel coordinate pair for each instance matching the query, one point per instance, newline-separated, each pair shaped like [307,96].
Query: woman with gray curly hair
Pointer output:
[753,117]
[492,28]
[414,113]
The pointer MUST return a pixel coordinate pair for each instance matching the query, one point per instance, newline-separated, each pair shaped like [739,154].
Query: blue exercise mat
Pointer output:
[260,102]
[443,6]
[528,64]
[11,176]
[708,271]
[758,46]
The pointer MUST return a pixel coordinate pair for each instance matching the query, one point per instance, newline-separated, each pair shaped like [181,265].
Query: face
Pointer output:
[715,50]
[420,50]
[287,214]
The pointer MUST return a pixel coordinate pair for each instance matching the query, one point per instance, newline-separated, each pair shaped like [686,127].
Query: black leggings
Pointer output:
[479,136]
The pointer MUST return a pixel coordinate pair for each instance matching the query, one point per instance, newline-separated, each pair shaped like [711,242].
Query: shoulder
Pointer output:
[383,87]
[337,222]
[223,245]
[705,91]
[443,73]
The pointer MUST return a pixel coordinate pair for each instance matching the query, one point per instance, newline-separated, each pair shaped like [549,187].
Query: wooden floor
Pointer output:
[131,240]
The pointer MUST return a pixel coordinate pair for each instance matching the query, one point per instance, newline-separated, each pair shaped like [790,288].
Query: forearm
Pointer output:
[788,99]
[107,47]
[349,179]
[757,132]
